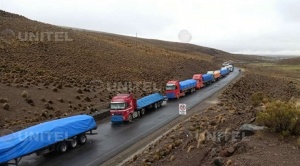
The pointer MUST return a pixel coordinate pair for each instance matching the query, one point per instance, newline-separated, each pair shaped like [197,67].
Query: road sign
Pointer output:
[182,109]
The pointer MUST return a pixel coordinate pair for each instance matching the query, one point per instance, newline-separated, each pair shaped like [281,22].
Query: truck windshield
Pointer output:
[117,106]
[170,87]
[210,72]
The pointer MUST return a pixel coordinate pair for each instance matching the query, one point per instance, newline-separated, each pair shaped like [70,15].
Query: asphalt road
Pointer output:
[113,139]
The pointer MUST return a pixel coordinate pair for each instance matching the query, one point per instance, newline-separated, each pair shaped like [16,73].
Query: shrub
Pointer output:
[282,117]
[25,94]
[6,106]
[257,98]
[3,100]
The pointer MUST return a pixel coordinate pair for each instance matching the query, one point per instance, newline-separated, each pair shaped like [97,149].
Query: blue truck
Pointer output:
[176,89]
[224,71]
[56,135]
[208,79]
[124,107]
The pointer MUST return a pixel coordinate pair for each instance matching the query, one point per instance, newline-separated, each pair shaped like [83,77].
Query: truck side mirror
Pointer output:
[108,106]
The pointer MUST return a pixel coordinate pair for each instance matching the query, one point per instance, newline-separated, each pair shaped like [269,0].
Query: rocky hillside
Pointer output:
[48,71]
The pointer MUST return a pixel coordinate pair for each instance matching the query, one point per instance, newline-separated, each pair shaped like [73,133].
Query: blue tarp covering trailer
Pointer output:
[32,139]
[207,77]
[187,84]
[148,100]
[224,71]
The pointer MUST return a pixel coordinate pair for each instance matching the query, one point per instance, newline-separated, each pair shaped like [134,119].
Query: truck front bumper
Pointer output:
[116,118]
[171,95]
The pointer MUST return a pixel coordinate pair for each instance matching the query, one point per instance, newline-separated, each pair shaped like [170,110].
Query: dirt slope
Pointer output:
[44,77]
[209,138]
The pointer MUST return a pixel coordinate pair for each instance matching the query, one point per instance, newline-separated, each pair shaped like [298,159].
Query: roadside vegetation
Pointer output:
[265,100]
[281,117]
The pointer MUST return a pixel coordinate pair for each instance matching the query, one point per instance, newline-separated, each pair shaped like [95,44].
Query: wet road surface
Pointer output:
[113,139]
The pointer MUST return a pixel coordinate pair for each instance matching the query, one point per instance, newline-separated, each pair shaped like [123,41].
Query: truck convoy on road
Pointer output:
[124,107]
[61,134]
[176,89]
[56,135]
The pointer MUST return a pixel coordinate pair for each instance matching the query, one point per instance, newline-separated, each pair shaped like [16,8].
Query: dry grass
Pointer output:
[88,65]
[282,117]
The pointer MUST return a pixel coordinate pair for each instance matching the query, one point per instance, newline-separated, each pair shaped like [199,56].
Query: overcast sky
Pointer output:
[237,26]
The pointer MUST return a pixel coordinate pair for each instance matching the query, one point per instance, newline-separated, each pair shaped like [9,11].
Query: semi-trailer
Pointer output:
[230,67]
[56,135]
[177,89]
[216,74]
[199,80]
[224,71]
[124,107]
[205,79]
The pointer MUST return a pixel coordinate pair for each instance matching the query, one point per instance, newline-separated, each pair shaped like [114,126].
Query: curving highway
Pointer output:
[113,139]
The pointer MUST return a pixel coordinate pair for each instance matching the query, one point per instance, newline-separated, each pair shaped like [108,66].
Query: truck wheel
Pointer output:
[138,113]
[159,104]
[129,117]
[73,143]
[155,106]
[61,147]
[82,139]
[142,112]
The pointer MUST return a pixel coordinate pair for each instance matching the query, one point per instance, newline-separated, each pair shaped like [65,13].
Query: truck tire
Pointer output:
[82,139]
[129,117]
[138,113]
[73,144]
[142,111]
[155,106]
[159,104]
[61,147]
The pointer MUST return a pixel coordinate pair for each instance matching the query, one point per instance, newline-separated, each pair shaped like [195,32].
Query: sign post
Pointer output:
[182,109]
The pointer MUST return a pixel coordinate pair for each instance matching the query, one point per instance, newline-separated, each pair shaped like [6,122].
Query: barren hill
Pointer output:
[290,61]
[48,71]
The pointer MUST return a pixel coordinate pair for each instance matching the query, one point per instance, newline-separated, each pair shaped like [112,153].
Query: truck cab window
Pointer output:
[117,106]
[170,87]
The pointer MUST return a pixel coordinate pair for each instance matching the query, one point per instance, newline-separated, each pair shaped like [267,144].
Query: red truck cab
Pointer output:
[198,78]
[173,89]
[122,107]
